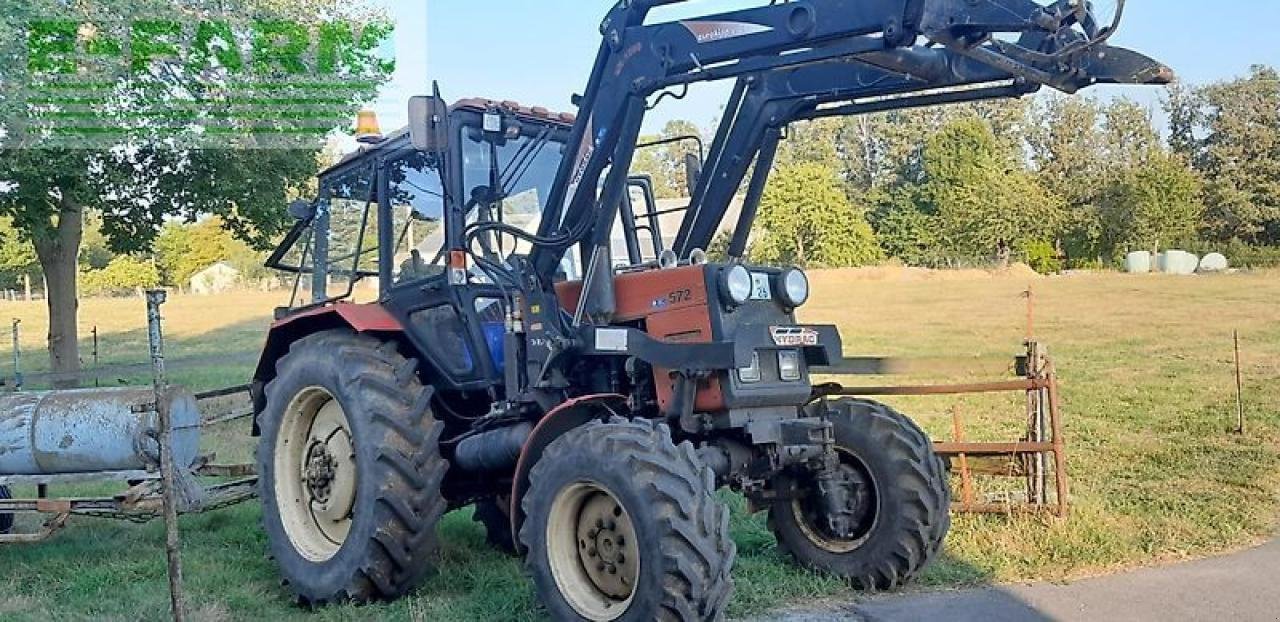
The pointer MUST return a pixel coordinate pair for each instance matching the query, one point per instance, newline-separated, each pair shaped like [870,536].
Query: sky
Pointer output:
[538,52]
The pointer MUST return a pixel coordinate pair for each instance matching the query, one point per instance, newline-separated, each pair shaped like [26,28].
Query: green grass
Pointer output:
[1148,395]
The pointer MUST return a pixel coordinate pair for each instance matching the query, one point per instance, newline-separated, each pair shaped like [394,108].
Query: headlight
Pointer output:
[750,375]
[793,287]
[789,365]
[735,285]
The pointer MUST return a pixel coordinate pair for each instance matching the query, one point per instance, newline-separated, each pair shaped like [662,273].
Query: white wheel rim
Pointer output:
[593,551]
[315,474]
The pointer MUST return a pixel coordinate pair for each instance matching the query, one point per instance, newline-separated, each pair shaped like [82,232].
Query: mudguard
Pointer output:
[561,419]
[362,318]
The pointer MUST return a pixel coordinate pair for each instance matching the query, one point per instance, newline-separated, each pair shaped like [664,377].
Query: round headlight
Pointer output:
[735,284]
[794,287]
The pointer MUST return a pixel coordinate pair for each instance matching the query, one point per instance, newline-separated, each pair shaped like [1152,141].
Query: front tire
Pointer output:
[622,525]
[899,501]
[351,470]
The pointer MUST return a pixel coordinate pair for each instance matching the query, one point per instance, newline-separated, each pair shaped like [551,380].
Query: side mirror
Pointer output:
[428,123]
[301,209]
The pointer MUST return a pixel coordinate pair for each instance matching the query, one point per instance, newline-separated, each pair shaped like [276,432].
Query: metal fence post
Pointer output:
[17,357]
[97,381]
[155,298]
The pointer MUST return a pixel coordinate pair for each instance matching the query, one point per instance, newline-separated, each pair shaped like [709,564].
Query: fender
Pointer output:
[559,420]
[362,318]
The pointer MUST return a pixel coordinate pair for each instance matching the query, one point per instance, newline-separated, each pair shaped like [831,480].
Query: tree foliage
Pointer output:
[126,274]
[159,168]
[979,194]
[1231,132]
[665,163]
[807,220]
[17,258]
[1154,205]
[182,250]
[1056,177]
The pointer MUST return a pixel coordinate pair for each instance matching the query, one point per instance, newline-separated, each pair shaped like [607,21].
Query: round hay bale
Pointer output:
[1214,262]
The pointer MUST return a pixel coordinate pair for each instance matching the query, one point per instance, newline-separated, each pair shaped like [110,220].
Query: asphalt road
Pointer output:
[1243,587]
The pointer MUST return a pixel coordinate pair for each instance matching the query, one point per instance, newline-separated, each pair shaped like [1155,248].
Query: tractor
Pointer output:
[487,313]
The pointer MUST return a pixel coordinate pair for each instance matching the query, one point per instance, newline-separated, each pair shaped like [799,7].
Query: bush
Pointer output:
[1240,254]
[1042,257]
[124,275]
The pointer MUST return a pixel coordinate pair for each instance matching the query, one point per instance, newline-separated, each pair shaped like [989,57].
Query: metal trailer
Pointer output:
[107,436]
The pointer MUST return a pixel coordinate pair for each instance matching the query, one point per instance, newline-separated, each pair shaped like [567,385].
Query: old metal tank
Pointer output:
[91,430]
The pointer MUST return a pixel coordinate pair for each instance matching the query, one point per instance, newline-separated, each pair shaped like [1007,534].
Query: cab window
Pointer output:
[417,204]
[349,214]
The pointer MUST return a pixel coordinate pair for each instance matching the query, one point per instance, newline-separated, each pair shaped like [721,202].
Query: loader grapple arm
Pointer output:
[871,48]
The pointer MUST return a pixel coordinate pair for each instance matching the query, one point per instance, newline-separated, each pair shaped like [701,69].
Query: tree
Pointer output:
[905,230]
[816,142]
[1080,149]
[1240,157]
[806,219]
[981,194]
[1182,106]
[665,163]
[125,274]
[17,258]
[182,250]
[1153,205]
[1067,147]
[160,167]
[1130,136]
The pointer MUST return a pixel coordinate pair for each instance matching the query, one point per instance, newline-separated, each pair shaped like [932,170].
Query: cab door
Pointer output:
[439,318]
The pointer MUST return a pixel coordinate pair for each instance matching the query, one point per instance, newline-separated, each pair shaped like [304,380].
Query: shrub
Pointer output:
[1240,254]
[1042,257]
[124,275]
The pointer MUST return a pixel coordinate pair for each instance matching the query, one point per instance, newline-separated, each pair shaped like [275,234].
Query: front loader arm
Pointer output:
[889,46]
[764,103]
[1059,44]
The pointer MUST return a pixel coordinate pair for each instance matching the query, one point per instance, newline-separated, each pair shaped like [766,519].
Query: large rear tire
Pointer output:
[6,519]
[899,501]
[621,524]
[350,470]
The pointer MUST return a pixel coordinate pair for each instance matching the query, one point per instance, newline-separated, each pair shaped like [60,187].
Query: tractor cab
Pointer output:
[390,223]
[395,221]
[383,213]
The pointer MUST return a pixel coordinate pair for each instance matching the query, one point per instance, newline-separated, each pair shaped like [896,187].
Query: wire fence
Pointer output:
[94,372]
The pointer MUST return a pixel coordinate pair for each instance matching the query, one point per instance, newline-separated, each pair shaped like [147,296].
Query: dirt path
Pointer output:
[1243,587]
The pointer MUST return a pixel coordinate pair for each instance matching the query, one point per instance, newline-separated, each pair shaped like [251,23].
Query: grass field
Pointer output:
[1146,368]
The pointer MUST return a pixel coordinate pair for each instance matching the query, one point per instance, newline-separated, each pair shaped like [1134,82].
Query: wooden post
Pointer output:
[1037,401]
[966,480]
[1059,442]
[26,286]
[17,357]
[172,544]
[1030,295]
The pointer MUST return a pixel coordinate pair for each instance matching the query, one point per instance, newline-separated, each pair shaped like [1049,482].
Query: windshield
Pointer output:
[507,177]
